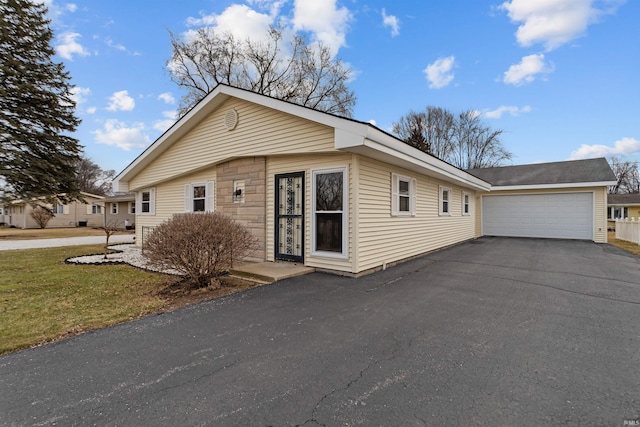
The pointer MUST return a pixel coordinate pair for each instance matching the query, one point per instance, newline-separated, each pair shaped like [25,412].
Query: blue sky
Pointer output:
[560,77]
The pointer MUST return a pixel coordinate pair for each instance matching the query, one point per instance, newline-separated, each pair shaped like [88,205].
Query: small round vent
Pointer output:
[231,119]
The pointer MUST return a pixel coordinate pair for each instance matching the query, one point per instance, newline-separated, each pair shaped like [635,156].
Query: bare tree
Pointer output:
[110,229]
[93,179]
[430,131]
[463,140]
[41,215]
[476,145]
[296,72]
[627,176]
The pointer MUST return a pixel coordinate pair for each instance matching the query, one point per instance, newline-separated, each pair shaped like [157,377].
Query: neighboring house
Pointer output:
[120,211]
[547,200]
[1,215]
[331,193]
[75,214]
[622,206]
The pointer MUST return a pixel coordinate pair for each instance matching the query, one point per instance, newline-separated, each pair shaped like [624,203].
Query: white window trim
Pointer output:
[152,202]
[132,208]
[467,204]
[111,208]
[395,195]
[345,212]
[441,211]
[209,195]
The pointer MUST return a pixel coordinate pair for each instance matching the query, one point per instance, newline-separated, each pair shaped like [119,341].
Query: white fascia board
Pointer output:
[552,186]
[371,142]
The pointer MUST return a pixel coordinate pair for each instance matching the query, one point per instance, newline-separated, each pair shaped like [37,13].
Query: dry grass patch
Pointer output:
[7,233]
[623,244]
[42,299]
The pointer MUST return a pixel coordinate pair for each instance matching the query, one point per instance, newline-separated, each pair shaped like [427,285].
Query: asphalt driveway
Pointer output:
[496,332]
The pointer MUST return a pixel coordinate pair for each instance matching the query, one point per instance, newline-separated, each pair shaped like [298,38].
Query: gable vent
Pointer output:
[231,119]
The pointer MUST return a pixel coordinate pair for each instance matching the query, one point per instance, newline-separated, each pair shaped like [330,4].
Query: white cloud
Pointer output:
[68,46]
[167,97]
[510,109]
[324,20]
[439,73]
[91,110]
[121,101]
[527,70]
[238,19]
[392,22]
[118,134]
[625,146]
[373,122]
[168,121]
[71,7]
[554,22]
[111,44]
[80,94]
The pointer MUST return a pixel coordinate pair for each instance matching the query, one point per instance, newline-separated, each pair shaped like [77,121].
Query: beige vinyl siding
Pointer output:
[169,199]
[307,163]
[383,238]
[477,214]
[74,212]
[599,202]
[123,214]
[260,131]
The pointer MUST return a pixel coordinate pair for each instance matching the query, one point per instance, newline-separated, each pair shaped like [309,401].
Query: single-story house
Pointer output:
[546,200]
[120,210]
[74,214]
[329,192]
[622,206]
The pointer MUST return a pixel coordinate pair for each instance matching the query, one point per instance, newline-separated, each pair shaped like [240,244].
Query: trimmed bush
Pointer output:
[201,246]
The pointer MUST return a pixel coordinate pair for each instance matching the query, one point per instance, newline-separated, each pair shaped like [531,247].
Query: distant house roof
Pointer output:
[624,199]
[129,197]
[569,174]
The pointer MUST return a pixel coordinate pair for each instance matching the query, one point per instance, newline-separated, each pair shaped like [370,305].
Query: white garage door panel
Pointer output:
[560,216]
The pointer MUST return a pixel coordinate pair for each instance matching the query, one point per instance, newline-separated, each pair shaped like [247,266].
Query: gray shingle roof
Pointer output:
[624,199]
[569,172]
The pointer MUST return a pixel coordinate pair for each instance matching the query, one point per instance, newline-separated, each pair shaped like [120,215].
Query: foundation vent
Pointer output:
[231,119]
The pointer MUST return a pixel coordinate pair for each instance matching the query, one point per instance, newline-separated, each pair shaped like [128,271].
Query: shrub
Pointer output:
[201,246]
[41,215]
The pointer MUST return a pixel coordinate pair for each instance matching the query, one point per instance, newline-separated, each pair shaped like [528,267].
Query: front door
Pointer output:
[290,216]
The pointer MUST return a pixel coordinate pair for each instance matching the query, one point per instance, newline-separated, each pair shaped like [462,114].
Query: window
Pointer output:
[146,202]
[466,202]
[132,207]
[329,198]
[58,209]
[403,195]
[445,201]
[96,209]
[619,212]
[198,197]
[114,208]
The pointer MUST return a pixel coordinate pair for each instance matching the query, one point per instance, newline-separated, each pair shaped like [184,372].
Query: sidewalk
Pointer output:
[9,245]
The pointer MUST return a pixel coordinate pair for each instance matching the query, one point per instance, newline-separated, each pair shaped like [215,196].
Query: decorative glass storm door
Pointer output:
[290,216]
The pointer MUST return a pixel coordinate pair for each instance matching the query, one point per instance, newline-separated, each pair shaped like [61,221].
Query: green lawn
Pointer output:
[43,299]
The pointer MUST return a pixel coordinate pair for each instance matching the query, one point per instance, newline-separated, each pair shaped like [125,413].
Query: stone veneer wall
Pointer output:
[252,211]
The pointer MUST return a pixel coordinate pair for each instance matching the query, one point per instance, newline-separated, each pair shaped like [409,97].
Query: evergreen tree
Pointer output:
[37,113]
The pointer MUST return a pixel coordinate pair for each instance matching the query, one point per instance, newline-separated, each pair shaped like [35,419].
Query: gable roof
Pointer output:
[590,172]
[631,199]
[349,135]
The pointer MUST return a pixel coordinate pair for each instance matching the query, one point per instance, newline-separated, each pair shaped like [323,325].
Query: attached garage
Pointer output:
[551,215]
[561,200]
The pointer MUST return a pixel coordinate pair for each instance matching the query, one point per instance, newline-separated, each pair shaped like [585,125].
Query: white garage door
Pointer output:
[559,216]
